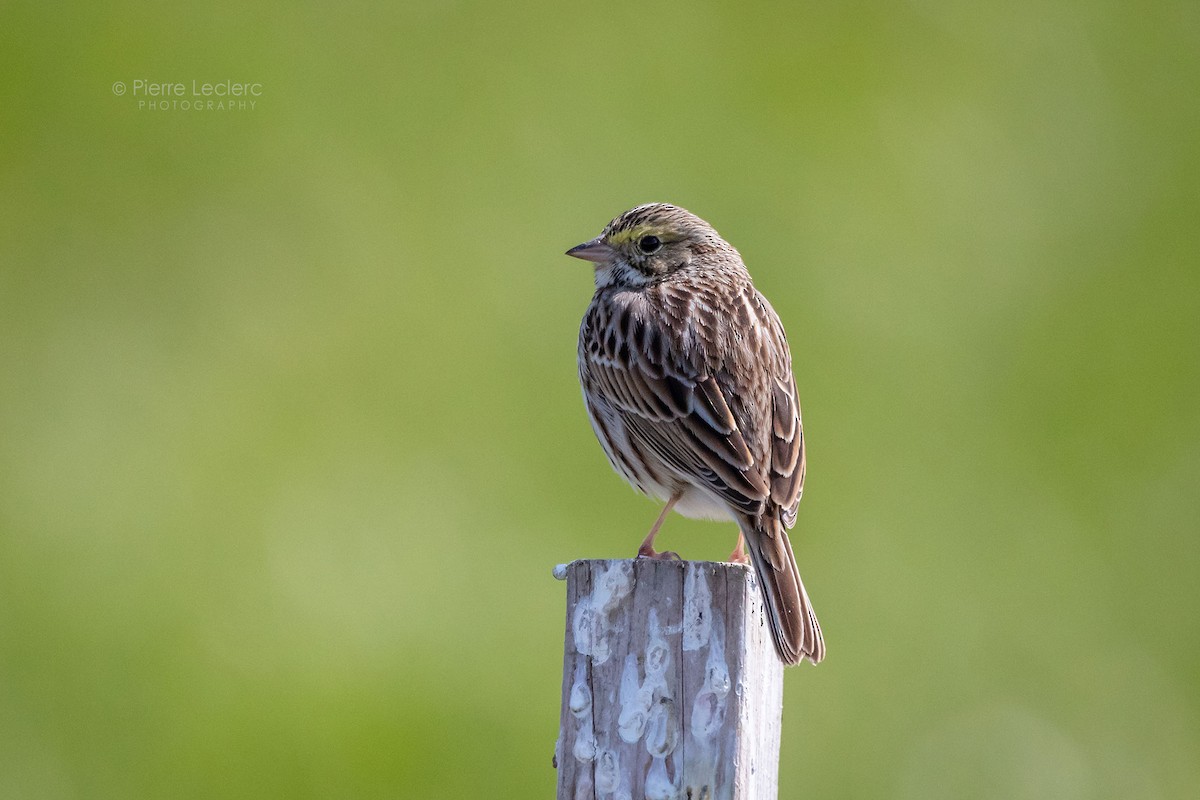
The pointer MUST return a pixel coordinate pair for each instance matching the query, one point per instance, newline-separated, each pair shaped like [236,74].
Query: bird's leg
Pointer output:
[647,549]
[738,556]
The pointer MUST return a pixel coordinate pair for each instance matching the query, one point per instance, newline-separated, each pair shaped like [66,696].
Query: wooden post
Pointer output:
[671,684]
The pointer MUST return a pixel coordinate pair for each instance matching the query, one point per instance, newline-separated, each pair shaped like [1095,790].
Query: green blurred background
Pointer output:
[290,432]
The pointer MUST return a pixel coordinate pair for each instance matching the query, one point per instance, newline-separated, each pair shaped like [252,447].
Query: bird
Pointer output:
[687,379]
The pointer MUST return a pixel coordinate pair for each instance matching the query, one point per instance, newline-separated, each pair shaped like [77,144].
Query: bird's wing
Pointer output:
[787,449]
[678,402]
[785,437]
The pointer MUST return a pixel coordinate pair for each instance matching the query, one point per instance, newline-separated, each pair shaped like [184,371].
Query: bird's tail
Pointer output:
[793,624]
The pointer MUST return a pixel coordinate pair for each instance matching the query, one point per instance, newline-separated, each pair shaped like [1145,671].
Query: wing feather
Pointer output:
[674,382]
[787,444]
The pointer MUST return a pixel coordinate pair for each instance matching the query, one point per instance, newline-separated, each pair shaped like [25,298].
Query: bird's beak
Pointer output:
[597,251]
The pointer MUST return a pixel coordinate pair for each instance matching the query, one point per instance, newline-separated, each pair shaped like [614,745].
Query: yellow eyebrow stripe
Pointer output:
[633,234]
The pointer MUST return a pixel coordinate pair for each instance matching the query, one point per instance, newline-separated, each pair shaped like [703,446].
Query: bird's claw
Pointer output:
[651,553]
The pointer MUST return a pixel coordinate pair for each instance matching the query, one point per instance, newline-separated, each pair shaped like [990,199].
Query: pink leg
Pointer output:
[647,549]
[738,556]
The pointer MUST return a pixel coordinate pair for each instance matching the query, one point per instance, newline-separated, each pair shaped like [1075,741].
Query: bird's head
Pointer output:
[648,243]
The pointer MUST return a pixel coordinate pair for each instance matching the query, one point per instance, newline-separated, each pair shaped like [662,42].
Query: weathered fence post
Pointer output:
[671,685]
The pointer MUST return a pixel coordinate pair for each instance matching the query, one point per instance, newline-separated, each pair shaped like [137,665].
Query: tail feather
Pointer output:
[793,624]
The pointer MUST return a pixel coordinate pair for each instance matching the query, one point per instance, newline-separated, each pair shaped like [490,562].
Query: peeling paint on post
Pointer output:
[671,685]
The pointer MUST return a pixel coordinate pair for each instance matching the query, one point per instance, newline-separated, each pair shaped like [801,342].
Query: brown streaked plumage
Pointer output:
[687,378]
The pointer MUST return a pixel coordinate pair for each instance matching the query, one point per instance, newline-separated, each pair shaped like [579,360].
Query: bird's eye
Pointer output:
[648,244]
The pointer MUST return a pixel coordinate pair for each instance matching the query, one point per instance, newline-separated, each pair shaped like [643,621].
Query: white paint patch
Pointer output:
[658,653]
[697,609]
[559,572]
[662,730]
[636,700]
[648,707]
[581,695]
[592,625]
[580,703]
[608,771]
[708,709]
[659,785]
[585,746]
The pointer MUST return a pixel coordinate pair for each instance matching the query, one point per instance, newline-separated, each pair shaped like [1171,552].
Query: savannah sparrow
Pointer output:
[688,381]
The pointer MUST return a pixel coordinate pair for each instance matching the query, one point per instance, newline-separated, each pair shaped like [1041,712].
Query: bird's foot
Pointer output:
[645,551]
[738,556]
